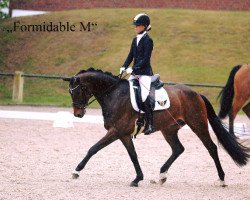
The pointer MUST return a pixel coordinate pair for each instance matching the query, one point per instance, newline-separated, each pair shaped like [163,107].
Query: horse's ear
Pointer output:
[66,79]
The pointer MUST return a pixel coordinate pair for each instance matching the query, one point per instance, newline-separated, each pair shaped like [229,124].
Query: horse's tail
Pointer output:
[227,94]
[238,152]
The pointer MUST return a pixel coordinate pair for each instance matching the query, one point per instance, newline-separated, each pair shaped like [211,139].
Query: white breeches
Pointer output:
[145,83]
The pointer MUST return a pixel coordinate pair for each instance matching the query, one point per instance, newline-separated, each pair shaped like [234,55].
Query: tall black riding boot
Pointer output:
[149,117]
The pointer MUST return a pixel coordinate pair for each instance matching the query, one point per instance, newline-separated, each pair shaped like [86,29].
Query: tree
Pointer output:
[4,4]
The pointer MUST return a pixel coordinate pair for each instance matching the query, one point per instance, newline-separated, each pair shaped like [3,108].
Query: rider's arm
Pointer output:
[129,58]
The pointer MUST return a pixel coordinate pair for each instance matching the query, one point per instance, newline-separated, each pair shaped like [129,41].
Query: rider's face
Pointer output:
[139,29]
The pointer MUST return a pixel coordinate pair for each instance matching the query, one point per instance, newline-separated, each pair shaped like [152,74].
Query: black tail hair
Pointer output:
[227,94]
[237,151]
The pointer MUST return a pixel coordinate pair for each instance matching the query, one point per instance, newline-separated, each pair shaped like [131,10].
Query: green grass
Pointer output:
[189,46]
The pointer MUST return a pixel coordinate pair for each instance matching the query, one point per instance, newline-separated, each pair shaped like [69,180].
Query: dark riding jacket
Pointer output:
[141,55]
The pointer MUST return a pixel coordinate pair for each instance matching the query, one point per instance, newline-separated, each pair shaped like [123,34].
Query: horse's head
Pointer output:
[80,95]
[87,83]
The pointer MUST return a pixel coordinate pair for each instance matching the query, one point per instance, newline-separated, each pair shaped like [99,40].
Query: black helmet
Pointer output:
[142,19]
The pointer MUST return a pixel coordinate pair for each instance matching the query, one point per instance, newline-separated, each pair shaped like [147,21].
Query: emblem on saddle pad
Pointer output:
[162,103]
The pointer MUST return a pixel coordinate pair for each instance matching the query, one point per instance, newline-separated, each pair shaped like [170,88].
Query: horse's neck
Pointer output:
[110,99]
[107,91]
[102,85]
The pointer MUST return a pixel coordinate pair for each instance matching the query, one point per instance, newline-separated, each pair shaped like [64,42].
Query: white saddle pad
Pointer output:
[161,96]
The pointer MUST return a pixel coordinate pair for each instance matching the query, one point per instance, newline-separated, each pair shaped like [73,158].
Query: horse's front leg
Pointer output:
[110,137]
[128,143]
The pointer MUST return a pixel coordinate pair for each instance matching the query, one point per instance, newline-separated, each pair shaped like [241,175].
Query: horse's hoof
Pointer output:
[75,176]
[223,184]
[161,181]
[163,178]
[133,184]
[153,182]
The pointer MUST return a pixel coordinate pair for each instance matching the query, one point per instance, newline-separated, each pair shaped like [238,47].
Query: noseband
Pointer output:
[82,104]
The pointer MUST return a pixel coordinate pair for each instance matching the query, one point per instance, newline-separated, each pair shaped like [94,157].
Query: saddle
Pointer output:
[156,82]
[157,95]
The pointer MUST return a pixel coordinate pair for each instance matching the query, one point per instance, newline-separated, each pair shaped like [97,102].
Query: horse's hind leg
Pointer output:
[177,149]
[246,109]
[200,127]
[110,137]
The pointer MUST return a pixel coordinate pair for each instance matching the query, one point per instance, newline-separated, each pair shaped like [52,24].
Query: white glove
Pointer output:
[122,69]
[129,70]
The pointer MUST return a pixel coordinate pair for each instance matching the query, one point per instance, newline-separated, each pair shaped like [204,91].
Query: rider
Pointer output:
[141,50]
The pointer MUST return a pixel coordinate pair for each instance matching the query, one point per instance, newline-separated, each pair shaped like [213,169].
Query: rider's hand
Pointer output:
[122,69]
[129,70]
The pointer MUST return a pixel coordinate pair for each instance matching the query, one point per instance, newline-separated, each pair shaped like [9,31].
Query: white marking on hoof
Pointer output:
[222,183]
[163,178]
[163,175]
[75,174]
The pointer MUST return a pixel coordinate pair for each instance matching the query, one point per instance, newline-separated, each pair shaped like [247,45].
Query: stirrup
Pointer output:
[150,129]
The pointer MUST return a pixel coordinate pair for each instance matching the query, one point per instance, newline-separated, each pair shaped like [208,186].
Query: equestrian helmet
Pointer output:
[142,19]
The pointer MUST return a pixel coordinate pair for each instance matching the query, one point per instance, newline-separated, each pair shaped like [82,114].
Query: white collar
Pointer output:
[139,36]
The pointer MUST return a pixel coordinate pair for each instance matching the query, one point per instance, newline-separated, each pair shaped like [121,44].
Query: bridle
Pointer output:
[83,104]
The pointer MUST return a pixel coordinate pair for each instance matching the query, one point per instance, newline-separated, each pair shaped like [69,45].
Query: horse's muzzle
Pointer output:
[79,112]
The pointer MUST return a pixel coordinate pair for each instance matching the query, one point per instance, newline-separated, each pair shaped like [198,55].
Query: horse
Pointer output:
[187,107]
[235,95]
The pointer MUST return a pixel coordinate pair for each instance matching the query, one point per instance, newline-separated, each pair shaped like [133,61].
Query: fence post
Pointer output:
[17,94]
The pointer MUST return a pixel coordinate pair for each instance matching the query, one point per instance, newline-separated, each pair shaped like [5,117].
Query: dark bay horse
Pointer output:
[187,107]
[236,94]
